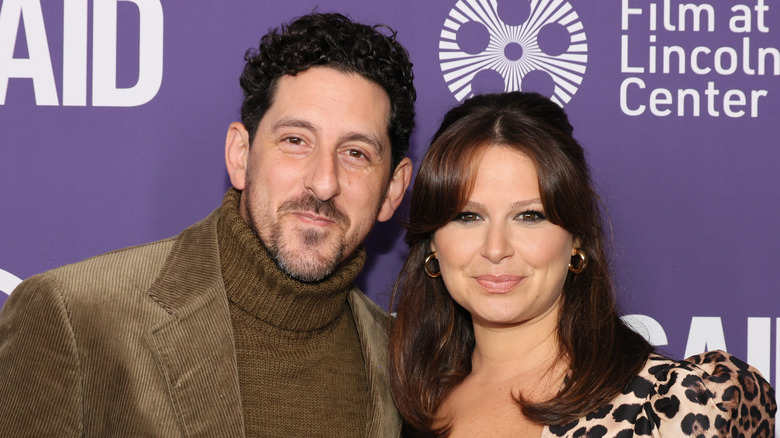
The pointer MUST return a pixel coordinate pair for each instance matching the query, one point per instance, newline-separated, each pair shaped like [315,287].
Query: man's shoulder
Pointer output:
[131,268]
[364,309]
[370,319]
[130,261]
[133,261]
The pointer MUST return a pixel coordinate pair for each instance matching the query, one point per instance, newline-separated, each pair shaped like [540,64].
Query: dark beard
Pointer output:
[318,268]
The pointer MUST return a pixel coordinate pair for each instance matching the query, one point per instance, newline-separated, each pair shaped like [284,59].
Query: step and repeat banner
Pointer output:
[113,115]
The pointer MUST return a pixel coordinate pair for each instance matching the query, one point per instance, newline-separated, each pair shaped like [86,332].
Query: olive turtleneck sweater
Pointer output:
[300,366]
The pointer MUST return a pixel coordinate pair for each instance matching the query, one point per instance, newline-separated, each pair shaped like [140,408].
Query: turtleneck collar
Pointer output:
[255,284]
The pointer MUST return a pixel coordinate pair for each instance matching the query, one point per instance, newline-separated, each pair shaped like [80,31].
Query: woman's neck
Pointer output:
[527,353]
[508,361]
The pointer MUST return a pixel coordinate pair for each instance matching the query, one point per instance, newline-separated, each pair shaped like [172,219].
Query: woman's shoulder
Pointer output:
[708,394]
[701,376]
[709,391]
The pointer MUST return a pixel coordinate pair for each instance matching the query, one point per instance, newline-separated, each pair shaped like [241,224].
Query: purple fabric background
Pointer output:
[692,200]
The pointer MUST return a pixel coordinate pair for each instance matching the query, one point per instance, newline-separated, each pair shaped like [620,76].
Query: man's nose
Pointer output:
[322,180]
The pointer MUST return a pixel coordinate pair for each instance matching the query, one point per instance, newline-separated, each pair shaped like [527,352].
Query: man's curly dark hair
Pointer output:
[335,41]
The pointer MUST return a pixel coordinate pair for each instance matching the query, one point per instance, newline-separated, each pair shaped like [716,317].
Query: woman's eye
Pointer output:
[532,216]
[467,217]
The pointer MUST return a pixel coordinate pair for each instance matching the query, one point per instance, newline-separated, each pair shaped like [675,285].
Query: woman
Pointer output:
[506,323]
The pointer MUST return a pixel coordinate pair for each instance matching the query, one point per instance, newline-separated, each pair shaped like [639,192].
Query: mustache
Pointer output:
[307,202]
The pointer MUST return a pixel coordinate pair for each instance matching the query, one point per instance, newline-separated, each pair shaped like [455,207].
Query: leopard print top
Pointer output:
[710,395]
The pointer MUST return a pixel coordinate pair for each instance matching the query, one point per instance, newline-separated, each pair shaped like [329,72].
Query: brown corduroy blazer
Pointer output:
[139,342]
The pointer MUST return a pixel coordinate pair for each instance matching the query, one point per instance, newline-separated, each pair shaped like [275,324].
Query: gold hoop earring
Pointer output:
[427,266]
[583,262]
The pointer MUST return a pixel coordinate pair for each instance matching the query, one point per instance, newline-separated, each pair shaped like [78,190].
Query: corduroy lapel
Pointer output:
[194,347]
[370,320]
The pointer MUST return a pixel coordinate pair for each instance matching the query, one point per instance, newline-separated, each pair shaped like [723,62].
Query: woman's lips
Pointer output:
[499,284]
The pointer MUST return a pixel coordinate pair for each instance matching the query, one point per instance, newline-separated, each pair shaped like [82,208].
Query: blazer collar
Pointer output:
[370,320]
[194,347]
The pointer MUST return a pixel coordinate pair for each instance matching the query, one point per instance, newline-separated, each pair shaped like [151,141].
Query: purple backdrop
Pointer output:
[108,142]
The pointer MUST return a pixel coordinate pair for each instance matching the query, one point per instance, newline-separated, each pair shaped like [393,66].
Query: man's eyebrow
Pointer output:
[293,123]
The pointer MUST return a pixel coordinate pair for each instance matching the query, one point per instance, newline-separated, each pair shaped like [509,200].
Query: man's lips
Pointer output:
[498,284]
[313,218]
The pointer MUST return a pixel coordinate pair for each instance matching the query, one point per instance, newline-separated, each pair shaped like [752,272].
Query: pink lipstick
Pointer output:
[498,284]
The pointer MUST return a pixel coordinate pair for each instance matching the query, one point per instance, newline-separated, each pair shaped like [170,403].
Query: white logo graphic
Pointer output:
[8,282]
[550,46]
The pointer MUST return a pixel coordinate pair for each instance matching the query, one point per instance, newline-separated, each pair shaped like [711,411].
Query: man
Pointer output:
[247,323]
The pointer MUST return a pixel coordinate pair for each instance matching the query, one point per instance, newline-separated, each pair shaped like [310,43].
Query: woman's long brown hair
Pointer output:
[432,337]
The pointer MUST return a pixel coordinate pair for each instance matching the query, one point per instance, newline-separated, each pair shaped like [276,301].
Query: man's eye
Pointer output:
[467,217]
[294,140]
[355,153]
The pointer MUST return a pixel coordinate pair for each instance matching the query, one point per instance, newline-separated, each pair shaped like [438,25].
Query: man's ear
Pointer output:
[237,154]
[402,176]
